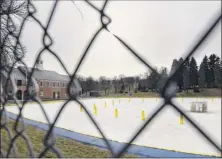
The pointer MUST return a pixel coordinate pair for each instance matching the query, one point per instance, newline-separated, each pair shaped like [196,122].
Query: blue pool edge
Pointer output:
[140,151]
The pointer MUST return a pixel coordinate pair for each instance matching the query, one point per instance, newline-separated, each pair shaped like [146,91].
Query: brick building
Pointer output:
[52,85]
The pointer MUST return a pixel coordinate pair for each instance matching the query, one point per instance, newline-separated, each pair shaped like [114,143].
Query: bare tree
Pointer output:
[122,87]
[102,80]
[163,71]
[121,76]
[104,84]
[90,84]
[13,13]
[115,83]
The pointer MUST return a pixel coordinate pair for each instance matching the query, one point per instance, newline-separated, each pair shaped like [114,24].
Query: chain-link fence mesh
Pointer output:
[11,45]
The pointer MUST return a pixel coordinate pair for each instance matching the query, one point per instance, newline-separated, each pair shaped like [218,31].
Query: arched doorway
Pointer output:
[19,95]
[26,96]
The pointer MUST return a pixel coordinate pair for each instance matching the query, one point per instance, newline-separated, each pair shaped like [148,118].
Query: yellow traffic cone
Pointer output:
[143,115]
[95,109]
[116,113]
[181,119]
[81,109]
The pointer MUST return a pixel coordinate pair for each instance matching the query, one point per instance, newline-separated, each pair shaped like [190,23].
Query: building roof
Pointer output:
[128,80]
[38,74]
[48,75]
[16,74]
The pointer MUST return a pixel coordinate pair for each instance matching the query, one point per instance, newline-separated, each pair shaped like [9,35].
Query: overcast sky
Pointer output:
[158,30]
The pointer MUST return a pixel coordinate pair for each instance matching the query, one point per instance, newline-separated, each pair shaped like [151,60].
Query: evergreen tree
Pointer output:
[205,64]
[180,74]
[186,78]
[187,63]
[217,73]
[174,66]
[185,75]
[153,79]
[202,76]
[213,60]
[193,73]
[173,69]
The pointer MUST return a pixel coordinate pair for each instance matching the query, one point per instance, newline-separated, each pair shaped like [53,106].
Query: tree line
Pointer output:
[207,75]
[190,76]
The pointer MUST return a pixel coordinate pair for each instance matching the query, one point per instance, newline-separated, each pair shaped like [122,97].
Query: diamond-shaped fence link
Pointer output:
[11,46]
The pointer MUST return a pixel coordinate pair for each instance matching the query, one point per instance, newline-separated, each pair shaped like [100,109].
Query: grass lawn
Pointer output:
[155,95]
[139,94]
[68,147]
[204,93]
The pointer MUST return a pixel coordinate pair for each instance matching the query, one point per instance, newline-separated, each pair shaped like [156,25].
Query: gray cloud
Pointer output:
[159,31]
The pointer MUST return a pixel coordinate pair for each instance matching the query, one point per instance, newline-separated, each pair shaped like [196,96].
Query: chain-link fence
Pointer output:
[16,51]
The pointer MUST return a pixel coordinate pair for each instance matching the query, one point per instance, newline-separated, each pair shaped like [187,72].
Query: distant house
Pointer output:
[130,84]
[52,85]
[116,86]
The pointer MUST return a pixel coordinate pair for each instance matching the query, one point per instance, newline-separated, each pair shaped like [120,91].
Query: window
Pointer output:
[48,84]
[58,84]
[41,83]
[41,93]
[19,82]
[62,84]
[53,84]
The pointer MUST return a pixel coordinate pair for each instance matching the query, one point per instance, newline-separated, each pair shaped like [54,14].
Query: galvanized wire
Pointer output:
[50,140]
